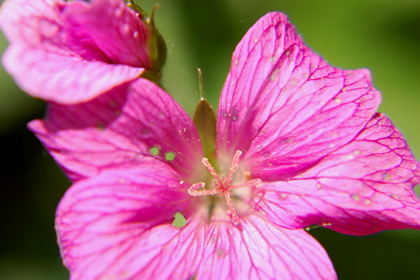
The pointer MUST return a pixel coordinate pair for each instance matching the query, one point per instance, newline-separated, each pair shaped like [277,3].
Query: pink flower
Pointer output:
[298,143]
[72,51]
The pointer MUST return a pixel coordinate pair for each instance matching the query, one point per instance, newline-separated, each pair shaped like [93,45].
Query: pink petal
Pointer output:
[118,225]
[33,22]
[53,57]
[283,106]
[64,79]
[40,25]
[362,188]
[258,249]
[114,27]
[120,128]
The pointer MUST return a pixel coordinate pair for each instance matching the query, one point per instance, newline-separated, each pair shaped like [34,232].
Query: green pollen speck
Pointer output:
[179,220]
[170,156]
[100,126]
[154,151]
[113,104]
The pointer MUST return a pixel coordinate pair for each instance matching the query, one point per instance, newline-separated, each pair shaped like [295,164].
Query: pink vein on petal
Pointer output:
[119,225]
[258,249]
[118,129]
[364,187]
[284,105]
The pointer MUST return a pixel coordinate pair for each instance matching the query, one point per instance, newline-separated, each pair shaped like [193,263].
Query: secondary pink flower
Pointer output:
[72,51]
[298,143]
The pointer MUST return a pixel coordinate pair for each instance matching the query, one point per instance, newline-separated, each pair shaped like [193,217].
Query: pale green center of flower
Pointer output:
[222,186]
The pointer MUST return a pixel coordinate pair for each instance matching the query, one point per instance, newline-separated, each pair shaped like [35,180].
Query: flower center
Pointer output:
[222,186]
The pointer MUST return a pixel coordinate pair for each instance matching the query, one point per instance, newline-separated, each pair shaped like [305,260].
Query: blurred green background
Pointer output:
[382,35]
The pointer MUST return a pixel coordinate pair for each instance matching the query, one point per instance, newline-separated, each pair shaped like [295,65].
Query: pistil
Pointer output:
[222,185]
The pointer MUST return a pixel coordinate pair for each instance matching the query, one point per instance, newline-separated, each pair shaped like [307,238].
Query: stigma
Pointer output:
[222,186]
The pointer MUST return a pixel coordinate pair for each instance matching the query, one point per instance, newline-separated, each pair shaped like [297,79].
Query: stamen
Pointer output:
[222,185]
[231,211]
[209,167]
[234,165]
[194,190]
